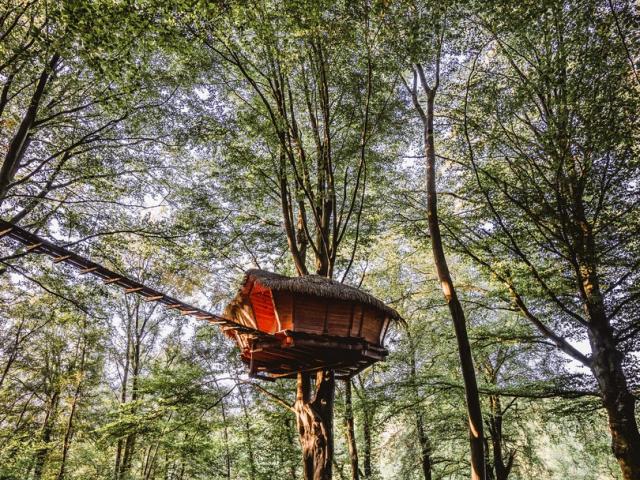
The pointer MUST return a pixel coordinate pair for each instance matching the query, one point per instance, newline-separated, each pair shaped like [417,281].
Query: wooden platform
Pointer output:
[286,353]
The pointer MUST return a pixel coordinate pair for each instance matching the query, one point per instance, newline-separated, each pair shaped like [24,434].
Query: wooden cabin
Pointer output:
[305,324]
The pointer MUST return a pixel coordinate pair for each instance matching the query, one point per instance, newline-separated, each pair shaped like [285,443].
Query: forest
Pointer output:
[473,166]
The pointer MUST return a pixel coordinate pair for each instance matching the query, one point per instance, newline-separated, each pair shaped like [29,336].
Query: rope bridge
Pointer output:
[37,244]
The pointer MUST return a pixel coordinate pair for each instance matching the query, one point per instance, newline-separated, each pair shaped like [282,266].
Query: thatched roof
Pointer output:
[318,286]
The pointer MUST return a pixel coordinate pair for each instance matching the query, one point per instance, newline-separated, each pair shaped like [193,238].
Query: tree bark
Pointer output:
[455,308]
[314,419]
[225,431]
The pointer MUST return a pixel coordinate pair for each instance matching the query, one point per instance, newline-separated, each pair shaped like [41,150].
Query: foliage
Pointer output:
[184,142]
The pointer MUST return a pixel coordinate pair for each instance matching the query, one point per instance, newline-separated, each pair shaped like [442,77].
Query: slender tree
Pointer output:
[426,112]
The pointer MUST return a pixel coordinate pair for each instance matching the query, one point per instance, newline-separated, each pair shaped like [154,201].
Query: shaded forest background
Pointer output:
[164,139]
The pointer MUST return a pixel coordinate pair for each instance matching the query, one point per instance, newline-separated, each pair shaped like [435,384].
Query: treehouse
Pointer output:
[283,325]
[303,324]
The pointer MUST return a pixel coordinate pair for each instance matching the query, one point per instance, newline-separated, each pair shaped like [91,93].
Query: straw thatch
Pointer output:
[318,286]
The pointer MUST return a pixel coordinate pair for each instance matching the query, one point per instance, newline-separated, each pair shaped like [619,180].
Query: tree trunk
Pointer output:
[248,435]
[314,419]
[502,470]
[350,431]
[20,140]
[123,399]
[291,441]
[455,308]
[366,434]
[423,438]
[130,442]
[227,454]
[47,431]
[66,444]
[425,447]
[618,401]
[606,363]
[14,352]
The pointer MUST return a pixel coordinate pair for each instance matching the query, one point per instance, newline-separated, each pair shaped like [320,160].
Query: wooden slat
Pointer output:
[155,298]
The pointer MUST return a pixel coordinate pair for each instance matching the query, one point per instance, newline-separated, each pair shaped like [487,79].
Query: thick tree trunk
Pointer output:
[606,363]
[350,431]
[314,419]
[617,399]
[455,308]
